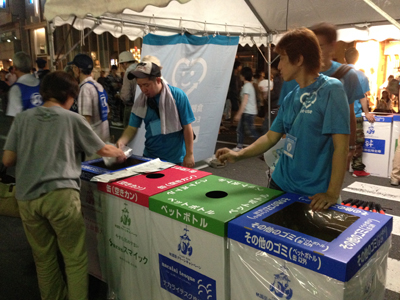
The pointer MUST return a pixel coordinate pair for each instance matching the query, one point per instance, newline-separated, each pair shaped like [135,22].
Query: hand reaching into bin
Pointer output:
[322,201]
[112,151]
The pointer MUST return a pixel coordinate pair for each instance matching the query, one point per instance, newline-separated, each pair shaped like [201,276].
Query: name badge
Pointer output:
[155,127]
[290,145]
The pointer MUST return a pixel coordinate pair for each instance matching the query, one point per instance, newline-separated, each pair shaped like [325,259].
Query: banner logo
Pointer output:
[188,74]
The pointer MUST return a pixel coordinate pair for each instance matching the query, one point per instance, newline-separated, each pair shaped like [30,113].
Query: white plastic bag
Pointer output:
[109,161]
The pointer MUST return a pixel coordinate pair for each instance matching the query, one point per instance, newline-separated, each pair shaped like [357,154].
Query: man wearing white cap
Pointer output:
[167,115]
[128,89]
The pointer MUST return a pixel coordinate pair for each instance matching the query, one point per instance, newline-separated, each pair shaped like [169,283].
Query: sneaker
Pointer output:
[361,174]
[236,149]
[394,181]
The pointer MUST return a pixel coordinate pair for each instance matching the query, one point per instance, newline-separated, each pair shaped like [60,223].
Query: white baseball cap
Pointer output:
[145,69]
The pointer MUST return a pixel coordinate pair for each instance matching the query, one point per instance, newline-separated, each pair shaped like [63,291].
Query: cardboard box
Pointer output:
[283,249]
[139,188]
[376,149]
[127,228]
[190,259]
[92,210]
[395,141]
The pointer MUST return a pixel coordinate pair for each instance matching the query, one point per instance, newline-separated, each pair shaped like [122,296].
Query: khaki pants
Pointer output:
[51,222]
[357,163]
[396,163]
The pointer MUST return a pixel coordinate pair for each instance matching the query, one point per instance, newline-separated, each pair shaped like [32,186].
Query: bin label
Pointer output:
[374,146]
[184,244]
[185,283]
[280,286]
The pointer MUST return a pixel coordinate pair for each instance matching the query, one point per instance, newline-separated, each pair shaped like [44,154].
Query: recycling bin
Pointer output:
[126,228]
[97,166]
[395,141]
[93,211]
[190,258]
[283,250]
[376,149]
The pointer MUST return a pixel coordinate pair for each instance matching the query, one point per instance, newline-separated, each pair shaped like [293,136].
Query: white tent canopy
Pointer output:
[279,16]
[64,9]
[365,33]
[250,19]
[232,17]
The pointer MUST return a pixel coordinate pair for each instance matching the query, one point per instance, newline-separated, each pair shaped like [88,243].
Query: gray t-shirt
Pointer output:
[48,143]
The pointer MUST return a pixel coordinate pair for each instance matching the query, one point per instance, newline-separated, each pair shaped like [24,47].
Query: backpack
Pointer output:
[341,71]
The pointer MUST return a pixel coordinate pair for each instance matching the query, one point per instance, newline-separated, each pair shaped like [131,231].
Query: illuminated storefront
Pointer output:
[378,60]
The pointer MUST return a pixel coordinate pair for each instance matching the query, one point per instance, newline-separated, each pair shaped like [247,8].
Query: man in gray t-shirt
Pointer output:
[51,158]
[45,143]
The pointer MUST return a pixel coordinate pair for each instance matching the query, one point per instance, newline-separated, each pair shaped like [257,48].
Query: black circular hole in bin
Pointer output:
[216,194]
[155,175]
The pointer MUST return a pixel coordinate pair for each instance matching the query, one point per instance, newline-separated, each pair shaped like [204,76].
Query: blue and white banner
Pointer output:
[202,68]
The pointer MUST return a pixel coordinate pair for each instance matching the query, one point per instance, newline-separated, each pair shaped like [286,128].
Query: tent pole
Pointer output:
[254,11]
[65,40]
[269,43]
[383,13]
[50,37]
[262,54]
[103,19]
[269,63]
[77,43]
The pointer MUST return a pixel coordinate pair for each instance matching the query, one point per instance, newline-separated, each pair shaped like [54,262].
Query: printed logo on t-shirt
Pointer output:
[36,99]
[308,99]
[103,99]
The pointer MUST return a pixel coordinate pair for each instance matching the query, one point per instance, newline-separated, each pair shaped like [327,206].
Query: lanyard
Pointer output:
[304,102]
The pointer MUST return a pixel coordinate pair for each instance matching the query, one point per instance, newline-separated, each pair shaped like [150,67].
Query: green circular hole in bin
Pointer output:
[216,194]
[155,175]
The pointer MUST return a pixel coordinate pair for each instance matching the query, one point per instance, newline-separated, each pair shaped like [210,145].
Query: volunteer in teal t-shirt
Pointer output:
[167,116]
[315,119]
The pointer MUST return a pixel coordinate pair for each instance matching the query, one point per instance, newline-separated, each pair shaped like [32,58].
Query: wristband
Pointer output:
[352,147]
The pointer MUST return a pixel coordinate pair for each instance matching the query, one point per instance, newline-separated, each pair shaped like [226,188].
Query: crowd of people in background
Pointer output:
[389,92]
[111,82]
[248,98]
[79,108]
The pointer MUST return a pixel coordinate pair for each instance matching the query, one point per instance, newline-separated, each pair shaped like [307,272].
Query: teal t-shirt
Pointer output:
[363,79]
[168,147]
[350,82]
[312,115]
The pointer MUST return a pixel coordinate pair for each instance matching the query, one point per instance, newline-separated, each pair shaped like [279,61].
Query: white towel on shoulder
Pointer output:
[169,116]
